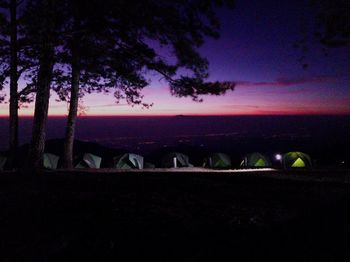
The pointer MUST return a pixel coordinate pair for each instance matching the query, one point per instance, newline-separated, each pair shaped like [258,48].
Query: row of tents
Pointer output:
[174,160]
[258,160]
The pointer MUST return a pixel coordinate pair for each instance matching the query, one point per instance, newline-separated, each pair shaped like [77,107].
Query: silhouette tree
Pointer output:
[331,27]
[3,42]
[42,22]
[333,22]
[116,44]
[85,64]
[13,65]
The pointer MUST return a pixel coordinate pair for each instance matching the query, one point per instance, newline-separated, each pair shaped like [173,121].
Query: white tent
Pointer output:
[50,161]
[128,161]
[89,161]
[175,160]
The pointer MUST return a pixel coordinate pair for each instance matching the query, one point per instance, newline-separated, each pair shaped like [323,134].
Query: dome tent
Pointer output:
[89,161]
[51,161]
[217,160]
[255,160]
[296,160]
[128,161]
[181,160]
[3,161]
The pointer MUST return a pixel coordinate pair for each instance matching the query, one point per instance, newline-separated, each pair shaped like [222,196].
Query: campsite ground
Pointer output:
[175,216]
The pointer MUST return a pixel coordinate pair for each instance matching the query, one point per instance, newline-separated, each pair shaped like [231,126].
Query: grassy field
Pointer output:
[175,215]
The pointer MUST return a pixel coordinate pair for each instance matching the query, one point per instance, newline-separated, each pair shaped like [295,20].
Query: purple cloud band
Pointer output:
[285,82]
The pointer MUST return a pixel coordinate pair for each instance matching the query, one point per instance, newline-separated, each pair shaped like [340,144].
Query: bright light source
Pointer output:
[278,157]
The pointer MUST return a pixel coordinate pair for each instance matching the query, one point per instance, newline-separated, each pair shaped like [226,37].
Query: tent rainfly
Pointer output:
[128,161]
[51,161]
[2,162]
[89,161]
[217,160]
[175,160]
[296,160]
[255,160]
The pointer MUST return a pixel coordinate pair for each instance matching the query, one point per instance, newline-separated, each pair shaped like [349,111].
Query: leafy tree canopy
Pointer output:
[123,41]
[333,22]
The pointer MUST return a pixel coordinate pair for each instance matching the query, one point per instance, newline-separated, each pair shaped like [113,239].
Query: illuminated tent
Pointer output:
[2,162]
[218,160]
[128,161]
[181,160]
[255,160]
[296,160]
[50,161]
[89,161]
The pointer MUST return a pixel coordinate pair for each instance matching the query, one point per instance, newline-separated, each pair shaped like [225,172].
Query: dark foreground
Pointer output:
[173,217]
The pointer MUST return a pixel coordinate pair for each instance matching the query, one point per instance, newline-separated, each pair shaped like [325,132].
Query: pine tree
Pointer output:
[113,45]
[42,24]
[13,65]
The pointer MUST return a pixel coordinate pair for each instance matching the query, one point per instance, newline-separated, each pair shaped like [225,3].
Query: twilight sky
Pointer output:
[256,51]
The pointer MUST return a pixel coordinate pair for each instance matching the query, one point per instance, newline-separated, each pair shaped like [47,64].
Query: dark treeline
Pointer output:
[75,47]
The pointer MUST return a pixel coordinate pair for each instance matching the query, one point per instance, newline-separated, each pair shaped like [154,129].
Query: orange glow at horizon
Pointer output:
[242,101]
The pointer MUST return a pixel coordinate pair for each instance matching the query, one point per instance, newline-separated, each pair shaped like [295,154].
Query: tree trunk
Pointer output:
[46,62]
[73,109]
[41,109]
[13,109]
[74,96]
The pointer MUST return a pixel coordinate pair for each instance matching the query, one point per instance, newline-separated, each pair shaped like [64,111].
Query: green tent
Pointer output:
[175,159]
[3,160]
[296,160]
[128,161]
[89,161]
[256,160]
[218,160]
[50,161]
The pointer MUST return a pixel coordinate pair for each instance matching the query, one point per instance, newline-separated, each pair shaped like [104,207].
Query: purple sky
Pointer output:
[256,51]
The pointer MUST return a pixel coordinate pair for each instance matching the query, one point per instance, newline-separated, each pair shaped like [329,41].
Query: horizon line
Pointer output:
[192,115]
